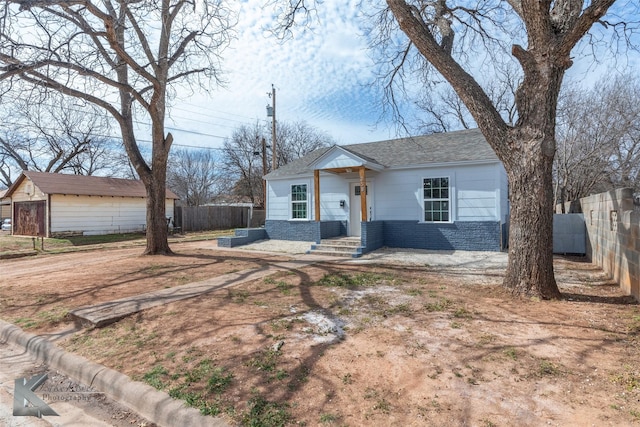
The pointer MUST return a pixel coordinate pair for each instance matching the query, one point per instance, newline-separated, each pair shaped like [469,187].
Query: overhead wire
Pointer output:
[173,128]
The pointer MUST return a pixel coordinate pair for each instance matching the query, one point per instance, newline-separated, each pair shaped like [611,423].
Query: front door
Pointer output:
[28,218]
[355,211]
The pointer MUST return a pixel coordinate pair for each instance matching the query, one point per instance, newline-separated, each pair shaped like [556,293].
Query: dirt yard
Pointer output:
[346,344]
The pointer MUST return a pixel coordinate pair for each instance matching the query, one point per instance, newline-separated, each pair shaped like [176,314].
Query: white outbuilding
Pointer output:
[55,204]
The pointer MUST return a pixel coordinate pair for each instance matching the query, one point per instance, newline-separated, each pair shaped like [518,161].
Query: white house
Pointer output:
[444,191]
[52,204]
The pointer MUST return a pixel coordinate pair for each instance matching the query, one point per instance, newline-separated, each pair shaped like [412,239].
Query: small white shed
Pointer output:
[54,204]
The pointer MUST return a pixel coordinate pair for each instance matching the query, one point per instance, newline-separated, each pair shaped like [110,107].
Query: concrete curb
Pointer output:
[154,405]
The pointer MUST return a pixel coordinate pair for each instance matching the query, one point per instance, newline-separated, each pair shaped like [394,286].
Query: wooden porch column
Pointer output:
[363,193]
[316,192]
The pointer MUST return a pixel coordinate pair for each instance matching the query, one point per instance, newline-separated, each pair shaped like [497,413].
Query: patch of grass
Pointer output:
[383,406]
[102,239]
[347,379]
[414,292]
[26,322]
[281,324]
[462,313]
[375,300]
[345,311]
[351,281]
[281,374]
[204,368]
[192,353]
[629,380]
[264,360]
[486,339]
[456,325]
[284,287]
[441,304]
[219,380]
[404,309]
[435,375]
[511,353]
[635,414]
[45,299]
[155,377]
[78,341]
[546,368]
[196,400]
[50,317]
[328,418]
[238,296]
[263,413]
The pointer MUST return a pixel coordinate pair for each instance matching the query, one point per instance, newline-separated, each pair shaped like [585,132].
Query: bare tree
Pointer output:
[192,175]
[598,138]
[125,57]
[243,158]
[242,163]
[442,39]
[296,139]
[444,111]
[621,98]
[51,135]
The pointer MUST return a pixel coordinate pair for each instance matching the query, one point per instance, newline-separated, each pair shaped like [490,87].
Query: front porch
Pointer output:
[466,236]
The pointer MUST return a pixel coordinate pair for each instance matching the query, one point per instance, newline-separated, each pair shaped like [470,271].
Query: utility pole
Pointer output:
[264,172]
[271,112]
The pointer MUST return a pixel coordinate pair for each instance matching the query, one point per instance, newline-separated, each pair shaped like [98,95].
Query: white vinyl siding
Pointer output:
[334,189]
[477,193]
[100,215]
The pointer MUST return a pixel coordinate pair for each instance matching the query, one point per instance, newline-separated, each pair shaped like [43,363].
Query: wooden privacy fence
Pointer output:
[201,218]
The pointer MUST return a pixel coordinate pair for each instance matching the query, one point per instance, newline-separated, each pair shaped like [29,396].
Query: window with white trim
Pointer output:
[299,201]
[436,199]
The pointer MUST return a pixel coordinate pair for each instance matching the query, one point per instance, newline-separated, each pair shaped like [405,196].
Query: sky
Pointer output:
[321,76]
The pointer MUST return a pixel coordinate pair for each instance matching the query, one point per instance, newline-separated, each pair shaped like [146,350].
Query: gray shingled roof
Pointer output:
[81,185]
[450,147]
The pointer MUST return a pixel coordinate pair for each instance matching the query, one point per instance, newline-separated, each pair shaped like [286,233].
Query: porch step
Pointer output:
[342,246]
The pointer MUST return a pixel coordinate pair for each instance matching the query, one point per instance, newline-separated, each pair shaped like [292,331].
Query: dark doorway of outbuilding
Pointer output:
[29,218]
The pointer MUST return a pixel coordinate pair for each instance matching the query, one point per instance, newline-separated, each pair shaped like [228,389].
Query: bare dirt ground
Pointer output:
[349,344]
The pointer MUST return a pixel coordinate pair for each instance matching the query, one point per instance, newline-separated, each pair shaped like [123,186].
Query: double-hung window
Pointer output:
[299,201]
[436,199]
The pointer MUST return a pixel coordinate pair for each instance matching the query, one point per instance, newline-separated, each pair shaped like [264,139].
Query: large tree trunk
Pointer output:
[157,227]
[155,181]
[530,265]
[527,148]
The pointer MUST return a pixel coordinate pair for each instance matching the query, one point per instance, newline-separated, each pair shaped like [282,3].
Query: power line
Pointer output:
[176,129]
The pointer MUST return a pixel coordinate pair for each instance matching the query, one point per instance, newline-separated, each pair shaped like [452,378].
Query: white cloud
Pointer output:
[319,75]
